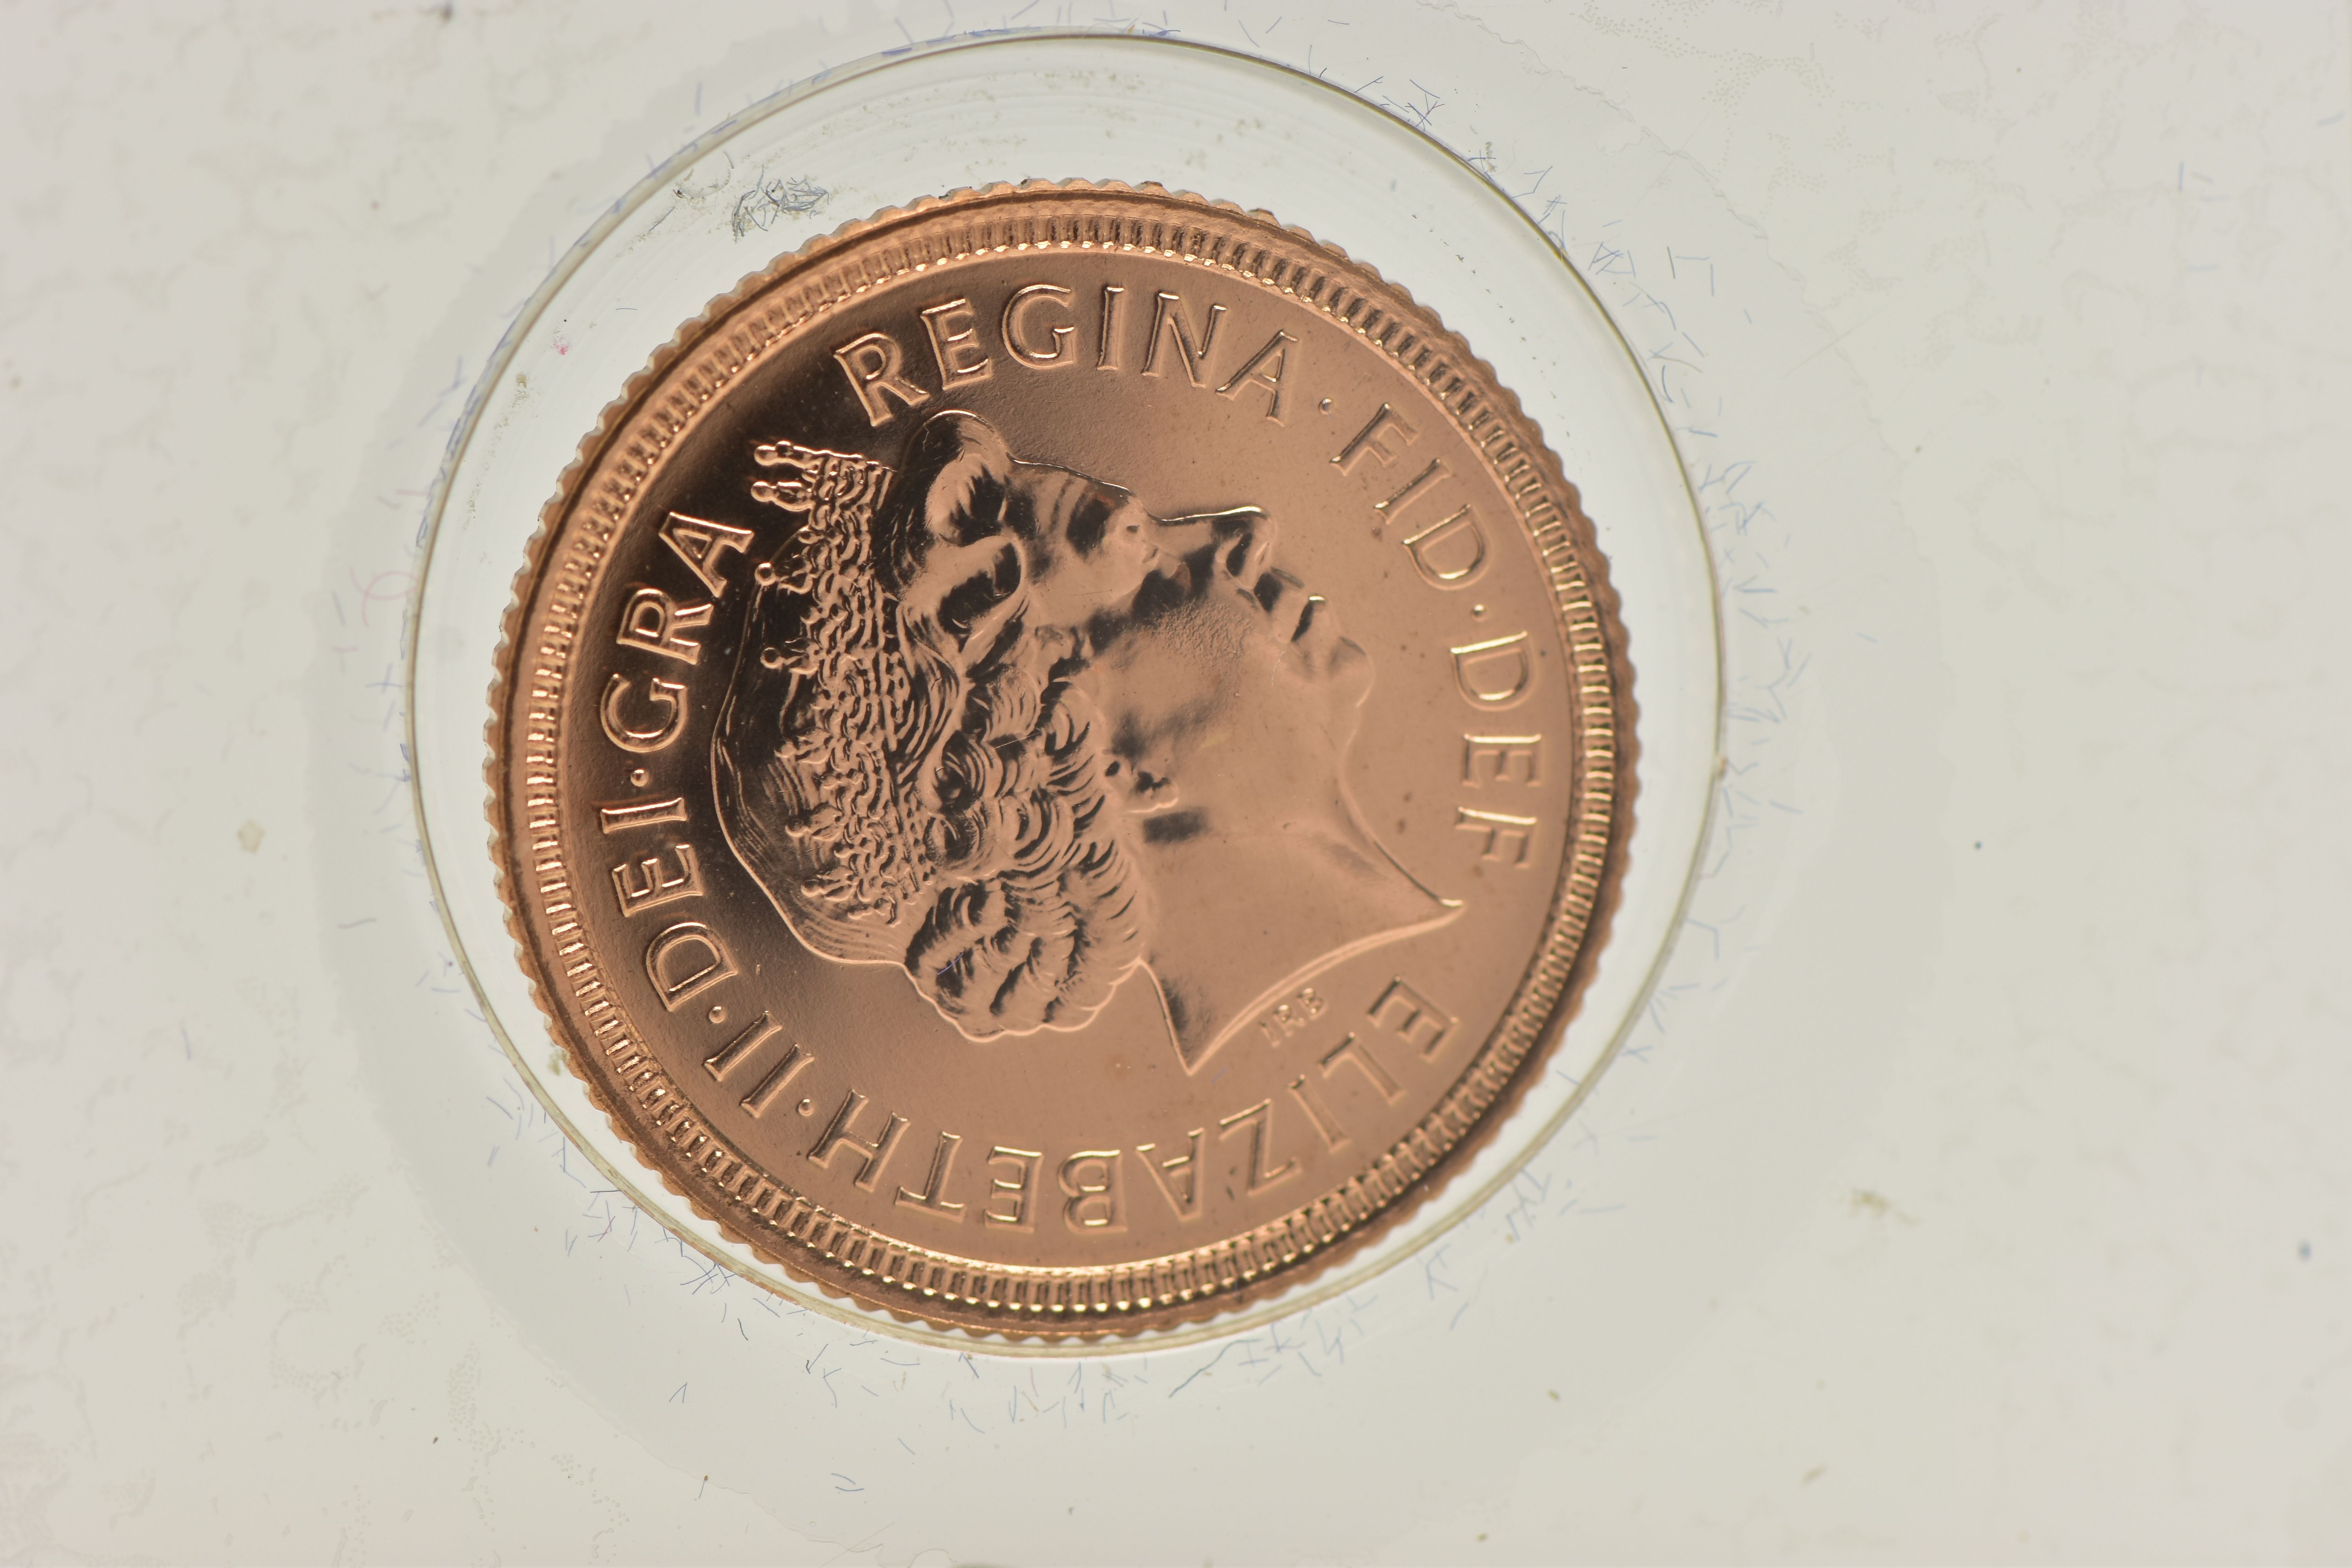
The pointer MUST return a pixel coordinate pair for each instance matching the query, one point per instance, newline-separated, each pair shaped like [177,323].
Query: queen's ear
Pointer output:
[1139,790]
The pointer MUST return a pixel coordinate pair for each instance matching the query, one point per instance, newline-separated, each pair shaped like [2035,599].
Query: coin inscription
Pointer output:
[1057,758]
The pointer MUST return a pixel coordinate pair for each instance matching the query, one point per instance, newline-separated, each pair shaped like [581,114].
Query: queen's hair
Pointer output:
[903,760]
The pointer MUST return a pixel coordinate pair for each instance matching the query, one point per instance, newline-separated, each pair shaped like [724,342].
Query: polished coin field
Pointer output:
[1059,758]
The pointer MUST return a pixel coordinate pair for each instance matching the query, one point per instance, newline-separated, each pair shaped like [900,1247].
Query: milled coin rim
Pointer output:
[848,1260]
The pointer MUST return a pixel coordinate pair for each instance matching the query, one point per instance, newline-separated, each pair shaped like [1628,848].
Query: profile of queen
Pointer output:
[998,726]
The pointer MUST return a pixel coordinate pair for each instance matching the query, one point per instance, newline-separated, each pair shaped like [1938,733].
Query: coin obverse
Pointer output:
[1058,757]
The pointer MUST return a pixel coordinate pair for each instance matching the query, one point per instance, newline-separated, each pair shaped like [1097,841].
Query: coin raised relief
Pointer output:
[1058,757]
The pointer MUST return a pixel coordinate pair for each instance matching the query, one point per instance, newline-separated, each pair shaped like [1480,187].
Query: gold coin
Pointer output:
[1057,758]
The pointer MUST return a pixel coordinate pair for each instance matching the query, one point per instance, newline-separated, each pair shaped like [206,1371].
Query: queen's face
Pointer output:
[1228,691]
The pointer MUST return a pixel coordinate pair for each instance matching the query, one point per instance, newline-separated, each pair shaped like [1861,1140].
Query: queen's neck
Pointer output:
[1244,919]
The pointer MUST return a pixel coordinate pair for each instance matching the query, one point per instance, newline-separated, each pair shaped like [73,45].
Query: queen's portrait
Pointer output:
[998,726]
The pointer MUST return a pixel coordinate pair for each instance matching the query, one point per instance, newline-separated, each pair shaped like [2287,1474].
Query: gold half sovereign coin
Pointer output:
[1059,759]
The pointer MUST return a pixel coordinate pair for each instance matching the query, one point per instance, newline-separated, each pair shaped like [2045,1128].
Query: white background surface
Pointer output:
[2029,1233]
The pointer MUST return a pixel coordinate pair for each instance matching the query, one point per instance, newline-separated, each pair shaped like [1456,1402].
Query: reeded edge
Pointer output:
[1688,863]
[1322,1257]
